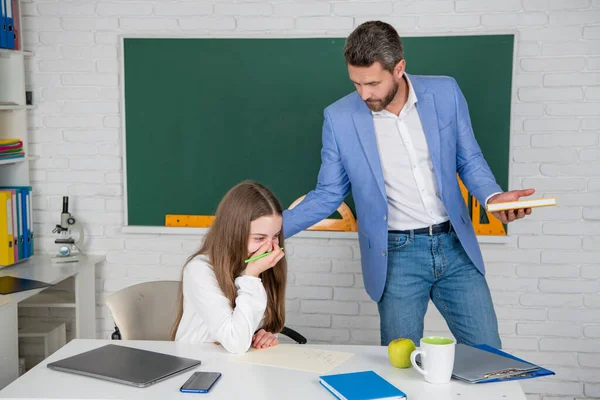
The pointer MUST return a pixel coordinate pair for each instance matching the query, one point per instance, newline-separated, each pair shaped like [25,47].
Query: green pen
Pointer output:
[260,256]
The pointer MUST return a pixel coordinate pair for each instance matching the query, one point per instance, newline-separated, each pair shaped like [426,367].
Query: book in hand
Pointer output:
[519,204]
[364,385]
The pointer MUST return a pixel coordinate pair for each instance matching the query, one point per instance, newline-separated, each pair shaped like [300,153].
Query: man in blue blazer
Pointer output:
[399,142]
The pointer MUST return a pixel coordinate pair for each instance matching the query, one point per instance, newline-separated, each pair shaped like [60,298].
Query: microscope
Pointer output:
[70,248]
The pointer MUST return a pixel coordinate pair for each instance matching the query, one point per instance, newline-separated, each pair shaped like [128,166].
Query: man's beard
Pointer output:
[380,105]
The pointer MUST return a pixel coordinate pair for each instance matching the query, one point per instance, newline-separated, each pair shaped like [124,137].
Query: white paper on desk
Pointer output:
[298,357]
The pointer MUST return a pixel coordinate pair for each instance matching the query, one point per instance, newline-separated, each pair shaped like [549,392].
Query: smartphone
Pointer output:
[200,382]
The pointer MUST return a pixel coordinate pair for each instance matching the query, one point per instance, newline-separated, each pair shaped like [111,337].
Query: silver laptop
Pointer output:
[125,365]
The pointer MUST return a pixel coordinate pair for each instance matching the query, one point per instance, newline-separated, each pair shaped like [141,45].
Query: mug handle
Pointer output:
[413,360]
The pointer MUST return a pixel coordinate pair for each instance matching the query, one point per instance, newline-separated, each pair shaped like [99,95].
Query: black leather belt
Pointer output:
[444,227]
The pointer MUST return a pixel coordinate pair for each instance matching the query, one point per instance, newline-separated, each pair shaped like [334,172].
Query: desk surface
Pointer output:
[240,379]
[40,268]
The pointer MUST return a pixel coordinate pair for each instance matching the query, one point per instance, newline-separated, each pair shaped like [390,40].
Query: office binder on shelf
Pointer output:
[29,211]
[7,253]
[540,371]
[2,24]
[25,220]
[18,227]
[16,24]
[19,232]
[15,224]
[10,36]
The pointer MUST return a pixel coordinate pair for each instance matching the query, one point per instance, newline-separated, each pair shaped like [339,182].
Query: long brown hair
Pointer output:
[226,246]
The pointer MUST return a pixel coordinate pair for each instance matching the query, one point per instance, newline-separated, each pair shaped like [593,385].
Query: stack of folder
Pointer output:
[16,224]
[11,148]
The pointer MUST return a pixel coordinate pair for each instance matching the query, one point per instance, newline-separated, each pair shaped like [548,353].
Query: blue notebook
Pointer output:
[533,374]
[364,385]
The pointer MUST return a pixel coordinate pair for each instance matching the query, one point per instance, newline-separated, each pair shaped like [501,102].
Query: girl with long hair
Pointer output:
[224,299]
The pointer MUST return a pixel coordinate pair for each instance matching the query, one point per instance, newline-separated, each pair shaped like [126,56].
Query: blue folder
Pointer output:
[10,19]
[533,374]
[26,223]
[19,234]
[2,23]
[362,385]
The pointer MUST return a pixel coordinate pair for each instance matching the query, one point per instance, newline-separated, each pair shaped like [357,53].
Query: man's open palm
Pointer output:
[507,216]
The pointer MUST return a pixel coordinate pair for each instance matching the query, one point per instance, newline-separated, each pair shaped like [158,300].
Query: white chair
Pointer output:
[147,311]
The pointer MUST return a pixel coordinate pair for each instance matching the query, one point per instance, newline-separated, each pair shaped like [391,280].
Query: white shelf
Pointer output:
[10,107]
[26,53]
[38,329]
[14,113]
[50,298]
[14,160]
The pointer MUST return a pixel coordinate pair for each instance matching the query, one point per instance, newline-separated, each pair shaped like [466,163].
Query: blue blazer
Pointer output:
[350,159]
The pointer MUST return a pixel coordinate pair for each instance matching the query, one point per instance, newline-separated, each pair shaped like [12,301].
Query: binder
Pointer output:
[25,219]
[25,223]
[31,226]
[22,226]
[10,36]
[29,210]
[7,254]
[533,374]
[15,219]
[2,24]
[21,236]
[16,24]
[476,365]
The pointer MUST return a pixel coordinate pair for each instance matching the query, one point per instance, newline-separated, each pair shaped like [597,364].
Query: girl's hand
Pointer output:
[255,268]
[263,339]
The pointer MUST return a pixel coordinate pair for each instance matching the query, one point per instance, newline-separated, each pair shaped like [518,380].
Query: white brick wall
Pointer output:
[545,281]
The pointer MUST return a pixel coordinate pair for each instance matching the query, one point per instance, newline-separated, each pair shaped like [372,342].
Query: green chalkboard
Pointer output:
[202,115]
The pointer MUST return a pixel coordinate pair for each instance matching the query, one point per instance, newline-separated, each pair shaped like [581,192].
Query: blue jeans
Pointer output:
[423,267]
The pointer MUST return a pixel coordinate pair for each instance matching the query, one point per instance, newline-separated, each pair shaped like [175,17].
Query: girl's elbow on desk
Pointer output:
[237,347]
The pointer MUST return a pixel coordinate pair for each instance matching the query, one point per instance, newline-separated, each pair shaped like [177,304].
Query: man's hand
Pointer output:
[507,216]
[263,339]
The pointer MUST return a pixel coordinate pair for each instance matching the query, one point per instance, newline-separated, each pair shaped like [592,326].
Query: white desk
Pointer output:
[40,268]
[240,380]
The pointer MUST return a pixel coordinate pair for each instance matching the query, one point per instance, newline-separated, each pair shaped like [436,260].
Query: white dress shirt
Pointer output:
[207,314]
[412,192]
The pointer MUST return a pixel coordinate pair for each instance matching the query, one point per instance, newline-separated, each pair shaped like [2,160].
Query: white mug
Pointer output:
[437,358]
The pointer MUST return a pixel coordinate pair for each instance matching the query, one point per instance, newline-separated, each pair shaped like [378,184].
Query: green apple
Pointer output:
[399,351]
